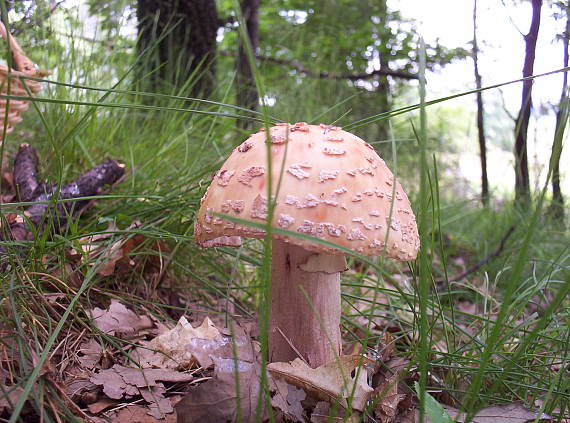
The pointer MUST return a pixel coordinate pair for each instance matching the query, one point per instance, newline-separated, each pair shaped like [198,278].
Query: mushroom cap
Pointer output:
[334,187]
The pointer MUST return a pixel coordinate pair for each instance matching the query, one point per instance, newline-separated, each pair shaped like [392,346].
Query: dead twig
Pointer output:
[481,262]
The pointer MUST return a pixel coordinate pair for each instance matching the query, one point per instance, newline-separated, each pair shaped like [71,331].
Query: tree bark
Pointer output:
[522,180]
[557,206]
[480,114]
[383,88]
[247,96]
[305,308]
[177,41]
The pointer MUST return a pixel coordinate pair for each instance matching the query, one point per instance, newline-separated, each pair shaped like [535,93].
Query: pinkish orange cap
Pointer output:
[334,187]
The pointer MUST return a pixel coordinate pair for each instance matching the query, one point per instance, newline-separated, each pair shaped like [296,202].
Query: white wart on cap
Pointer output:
[334,187]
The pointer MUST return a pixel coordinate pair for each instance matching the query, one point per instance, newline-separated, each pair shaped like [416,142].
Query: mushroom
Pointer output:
[334,187]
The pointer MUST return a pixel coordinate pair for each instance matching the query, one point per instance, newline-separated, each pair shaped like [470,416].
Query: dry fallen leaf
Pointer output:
[112,256]
[120,381]
[182,346]
[388,400]
[158,405]
[149,377]
[101,405]
[217,399]
[119,319]
[124,379]
[97,251]
[324,413]
[505,413]
[78,385]
[113,384]
[287,399]
[90,353]
[386,394]
[117,258]
[235,382]
[9,398]
[329,382]
[138,414]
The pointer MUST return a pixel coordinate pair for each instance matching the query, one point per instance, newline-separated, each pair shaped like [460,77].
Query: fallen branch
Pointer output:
[481,262]
[293,64]
[44,209]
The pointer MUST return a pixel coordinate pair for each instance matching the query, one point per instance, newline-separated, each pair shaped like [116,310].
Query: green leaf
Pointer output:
[433,409]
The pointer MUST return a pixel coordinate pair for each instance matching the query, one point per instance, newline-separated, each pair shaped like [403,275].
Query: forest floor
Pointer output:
[120,353]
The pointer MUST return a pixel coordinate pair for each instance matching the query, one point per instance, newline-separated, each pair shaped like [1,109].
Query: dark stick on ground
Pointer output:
[45,210]
[481,262]
[26,172]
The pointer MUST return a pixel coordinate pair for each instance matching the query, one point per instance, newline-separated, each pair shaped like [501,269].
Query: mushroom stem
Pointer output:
[305,305]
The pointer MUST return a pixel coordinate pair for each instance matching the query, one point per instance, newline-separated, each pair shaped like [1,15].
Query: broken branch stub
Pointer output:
[45,209]
[26,172]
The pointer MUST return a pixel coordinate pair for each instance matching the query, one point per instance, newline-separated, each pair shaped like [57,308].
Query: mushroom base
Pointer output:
[305,305]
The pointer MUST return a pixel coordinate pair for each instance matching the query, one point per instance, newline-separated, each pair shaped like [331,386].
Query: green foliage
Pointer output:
[113,14]
[434,410]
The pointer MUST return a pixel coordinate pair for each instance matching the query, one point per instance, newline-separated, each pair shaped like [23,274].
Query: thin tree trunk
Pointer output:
[384,103]
[522,180]
[480,114]
[383,88]
[246,90]
[177,40]
[557,206]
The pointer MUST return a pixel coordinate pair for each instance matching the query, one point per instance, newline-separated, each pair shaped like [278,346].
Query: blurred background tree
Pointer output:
[319,61]
[557,207]
[177,46]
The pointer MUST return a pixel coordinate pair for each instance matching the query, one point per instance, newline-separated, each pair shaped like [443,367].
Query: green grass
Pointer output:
[513,346]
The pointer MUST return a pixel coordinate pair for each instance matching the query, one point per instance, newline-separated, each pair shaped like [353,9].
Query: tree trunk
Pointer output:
[522,181]
[177,41]
[480,114]
[246,90]
[383,88]
[384,103]
[305,307]
[557,206]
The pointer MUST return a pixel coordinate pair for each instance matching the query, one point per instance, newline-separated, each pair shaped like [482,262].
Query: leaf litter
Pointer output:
[112,251]
[118,319]
[287,400]
[504,413]
[192,372]
[104,363]
[331,381]
[220,371]
[220,367]
[182,346]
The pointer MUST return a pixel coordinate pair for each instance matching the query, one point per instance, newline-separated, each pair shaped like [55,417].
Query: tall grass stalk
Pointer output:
[424,268]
